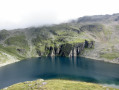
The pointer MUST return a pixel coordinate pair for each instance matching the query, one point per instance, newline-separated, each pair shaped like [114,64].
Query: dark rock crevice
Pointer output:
[67,49]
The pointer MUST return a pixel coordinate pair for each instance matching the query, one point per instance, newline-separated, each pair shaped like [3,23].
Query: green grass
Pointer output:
[11,50]
[19,41]
[57,84]
[66,33]
[77,40]
[109,56]
[3,34]
[3,58]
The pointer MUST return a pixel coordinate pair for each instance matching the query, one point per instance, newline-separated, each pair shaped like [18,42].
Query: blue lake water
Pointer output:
[75,68]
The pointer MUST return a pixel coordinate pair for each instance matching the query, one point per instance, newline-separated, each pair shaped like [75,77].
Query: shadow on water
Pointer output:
[75,68]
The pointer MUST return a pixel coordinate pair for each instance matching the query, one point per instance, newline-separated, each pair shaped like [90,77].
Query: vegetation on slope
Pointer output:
[29,41]
[57,84]
[18,41]
[4,34]
[110,56]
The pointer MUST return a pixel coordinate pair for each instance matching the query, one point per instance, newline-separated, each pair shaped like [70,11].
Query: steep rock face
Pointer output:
[65,39]
[89,44]
[67,49]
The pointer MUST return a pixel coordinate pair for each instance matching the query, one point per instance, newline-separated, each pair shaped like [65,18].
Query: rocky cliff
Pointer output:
[67,49]
[75,38]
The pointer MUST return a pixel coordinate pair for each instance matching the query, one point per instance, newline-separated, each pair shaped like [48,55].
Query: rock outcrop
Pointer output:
[67,49]
[65,39]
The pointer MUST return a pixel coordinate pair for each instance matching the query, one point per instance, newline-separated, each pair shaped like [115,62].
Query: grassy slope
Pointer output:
[106,47]
[14,46]
[57,84]
[28,40]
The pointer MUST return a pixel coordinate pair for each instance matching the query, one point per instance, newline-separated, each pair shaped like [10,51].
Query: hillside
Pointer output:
[95,37]
[57,84]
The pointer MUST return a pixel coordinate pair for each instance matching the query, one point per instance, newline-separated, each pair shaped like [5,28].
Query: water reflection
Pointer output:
[74,68]
[81,69]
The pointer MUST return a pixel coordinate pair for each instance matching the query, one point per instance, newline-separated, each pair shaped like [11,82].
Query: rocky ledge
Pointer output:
[67,49]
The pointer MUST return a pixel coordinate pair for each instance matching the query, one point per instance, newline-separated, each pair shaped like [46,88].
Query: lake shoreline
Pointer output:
[75,68]
[93,58]
[104,60]
[8,63]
